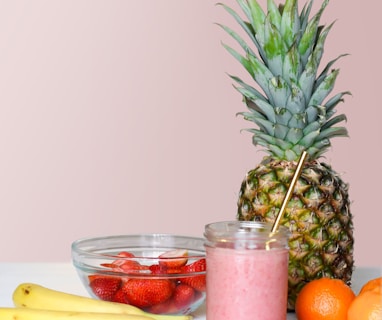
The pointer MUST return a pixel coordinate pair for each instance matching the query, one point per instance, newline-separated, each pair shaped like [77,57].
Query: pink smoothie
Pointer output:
[246,284]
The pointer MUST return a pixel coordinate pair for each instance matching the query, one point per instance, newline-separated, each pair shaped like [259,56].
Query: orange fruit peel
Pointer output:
[324,299]
[367,305]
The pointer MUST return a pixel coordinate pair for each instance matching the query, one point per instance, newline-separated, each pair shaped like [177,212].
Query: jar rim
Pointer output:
[232,231]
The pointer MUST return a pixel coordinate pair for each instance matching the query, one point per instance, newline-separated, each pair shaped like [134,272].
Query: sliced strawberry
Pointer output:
[183,296]
[132,267]
[197,266]
[123,254]
[157,269]
[125,265]
[161,269]
[144,293]
[109,265]
[105,287]
[174,259]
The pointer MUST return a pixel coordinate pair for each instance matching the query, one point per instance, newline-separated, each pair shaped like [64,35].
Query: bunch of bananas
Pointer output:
[35,302]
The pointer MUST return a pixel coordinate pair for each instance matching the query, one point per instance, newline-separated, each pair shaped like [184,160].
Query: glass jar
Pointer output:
[247,271]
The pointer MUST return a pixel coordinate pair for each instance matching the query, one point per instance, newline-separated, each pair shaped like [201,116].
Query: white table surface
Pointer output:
[63,277]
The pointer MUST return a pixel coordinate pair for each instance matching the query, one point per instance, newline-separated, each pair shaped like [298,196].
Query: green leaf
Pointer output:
[316,113]
[316,151]
[332,102]
[247,27]
[261,74]
[283,116]
[266,108]
[319,48]
[278,92]
[333,121]
[296,100]
[270,140]
[313,126]
[244,62]
[290,155]
[266,126]
[276,152]
[298,120]
[274,13]
[305,13]
[257,20]
[254,91]
[333,132]
[294,135]
[298,149]
[274,47]
[245,8]
[309,36]
[309,138]
[292,67]
[251,116]
[307,79]
[253,107]
[281,131]
[238,39]
[290,21]
[322,143]
[325,87]
[326,70]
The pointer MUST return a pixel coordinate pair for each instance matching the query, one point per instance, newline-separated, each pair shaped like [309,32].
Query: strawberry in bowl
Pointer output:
[158,273]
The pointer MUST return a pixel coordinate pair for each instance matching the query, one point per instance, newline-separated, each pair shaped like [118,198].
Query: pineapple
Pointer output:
[292,112]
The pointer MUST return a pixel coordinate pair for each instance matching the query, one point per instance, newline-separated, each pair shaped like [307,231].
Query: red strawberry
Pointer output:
[167,307]
[157,269]
[197,282]
[105,287]
[161,269]
[132,267]
[173,259]
[144,293]
[120,297]
[183,296]
[127,264]
[197,266]
[125,258]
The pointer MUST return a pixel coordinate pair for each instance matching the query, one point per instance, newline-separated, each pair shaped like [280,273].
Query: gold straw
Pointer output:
[289,192]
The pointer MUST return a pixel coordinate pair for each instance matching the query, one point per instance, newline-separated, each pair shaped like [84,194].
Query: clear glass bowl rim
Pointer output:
[89,246]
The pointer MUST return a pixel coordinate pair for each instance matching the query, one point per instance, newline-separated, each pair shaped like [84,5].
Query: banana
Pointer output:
[34,296]
[36,314]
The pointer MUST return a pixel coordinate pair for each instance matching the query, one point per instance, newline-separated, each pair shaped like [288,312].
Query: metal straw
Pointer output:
[288,195]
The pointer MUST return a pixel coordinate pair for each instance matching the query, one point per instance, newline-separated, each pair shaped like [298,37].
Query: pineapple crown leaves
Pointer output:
[291,107]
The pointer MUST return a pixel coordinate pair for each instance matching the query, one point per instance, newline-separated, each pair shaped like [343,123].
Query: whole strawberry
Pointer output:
[144,293]
[197,282]
[183,296]
[105,287]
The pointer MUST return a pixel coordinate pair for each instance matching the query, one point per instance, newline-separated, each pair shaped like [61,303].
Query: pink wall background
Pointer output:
[118,117]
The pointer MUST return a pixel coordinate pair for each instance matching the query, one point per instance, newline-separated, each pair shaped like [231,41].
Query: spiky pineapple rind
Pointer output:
[318,216]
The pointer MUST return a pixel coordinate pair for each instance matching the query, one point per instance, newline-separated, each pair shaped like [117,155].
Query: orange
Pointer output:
[368,304]
[324,299]
[372,285]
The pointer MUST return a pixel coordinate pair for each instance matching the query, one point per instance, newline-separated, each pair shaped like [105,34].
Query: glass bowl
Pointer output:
[158,273]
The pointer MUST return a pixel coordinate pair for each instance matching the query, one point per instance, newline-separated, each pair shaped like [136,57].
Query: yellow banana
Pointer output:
[36,314]
[34,296]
